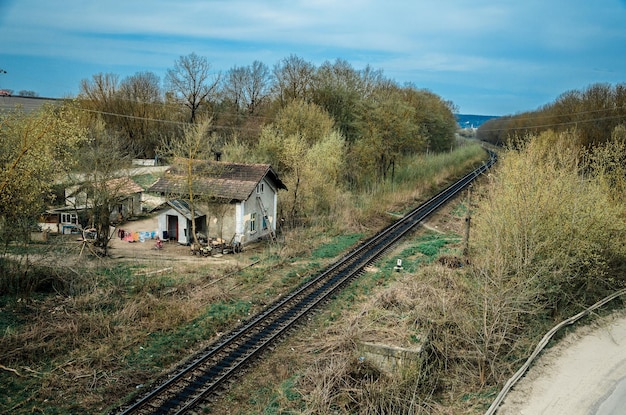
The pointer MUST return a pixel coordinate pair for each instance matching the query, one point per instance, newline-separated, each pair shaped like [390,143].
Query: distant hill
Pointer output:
[28,104]
[472,121]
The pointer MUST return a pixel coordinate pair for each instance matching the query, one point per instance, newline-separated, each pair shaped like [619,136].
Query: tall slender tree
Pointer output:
[293,77]
[191,81]
[190,154]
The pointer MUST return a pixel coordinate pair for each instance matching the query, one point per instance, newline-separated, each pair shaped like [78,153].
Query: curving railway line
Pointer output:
[208,372]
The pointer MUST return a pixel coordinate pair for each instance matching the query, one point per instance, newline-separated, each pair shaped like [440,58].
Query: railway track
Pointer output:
[208,372]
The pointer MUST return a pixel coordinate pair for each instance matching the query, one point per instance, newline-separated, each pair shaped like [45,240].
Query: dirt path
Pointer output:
[577,375]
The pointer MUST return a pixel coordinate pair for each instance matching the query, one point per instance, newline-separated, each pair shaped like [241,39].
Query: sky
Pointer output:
[494,57]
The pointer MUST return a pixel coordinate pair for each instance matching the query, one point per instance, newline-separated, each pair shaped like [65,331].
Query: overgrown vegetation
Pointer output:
[593,113]
[548,241]
[331,133]
[86,343]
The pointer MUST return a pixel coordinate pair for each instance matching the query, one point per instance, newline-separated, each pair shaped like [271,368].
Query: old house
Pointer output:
[232,201]
[122,193]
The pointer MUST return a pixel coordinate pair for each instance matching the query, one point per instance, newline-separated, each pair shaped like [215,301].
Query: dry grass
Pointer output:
[321,365]
[86,351]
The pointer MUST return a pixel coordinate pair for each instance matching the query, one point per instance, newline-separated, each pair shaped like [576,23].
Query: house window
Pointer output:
[69,218]
[253,222]
[260,188]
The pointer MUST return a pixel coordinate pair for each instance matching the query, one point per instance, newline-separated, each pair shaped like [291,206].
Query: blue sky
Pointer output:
[492,57]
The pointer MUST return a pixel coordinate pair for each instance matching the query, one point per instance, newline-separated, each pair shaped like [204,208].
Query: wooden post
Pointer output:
[468,218]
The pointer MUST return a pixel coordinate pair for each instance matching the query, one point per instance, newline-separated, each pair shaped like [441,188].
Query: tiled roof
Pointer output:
[230,181]
[123,186]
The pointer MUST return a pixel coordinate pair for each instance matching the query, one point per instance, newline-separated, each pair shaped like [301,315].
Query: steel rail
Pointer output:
[246,343]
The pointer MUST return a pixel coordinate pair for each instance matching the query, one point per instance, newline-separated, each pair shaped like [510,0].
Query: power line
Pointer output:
[527,127]
[134,117]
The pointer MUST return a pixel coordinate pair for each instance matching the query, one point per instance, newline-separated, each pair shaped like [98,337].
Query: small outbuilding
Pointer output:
[234,202]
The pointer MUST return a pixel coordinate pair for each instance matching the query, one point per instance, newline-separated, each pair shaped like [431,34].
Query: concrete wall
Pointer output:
[389,358]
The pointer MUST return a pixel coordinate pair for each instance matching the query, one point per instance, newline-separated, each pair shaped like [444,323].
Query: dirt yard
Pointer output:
[171,251]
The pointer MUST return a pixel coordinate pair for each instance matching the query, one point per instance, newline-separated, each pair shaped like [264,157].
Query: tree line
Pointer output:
[593,113]
[364,107]
[327,131]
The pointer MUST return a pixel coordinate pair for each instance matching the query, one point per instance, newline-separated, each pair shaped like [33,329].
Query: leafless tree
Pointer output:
[257,88]
[141,100]
[293,77]
[191,81]
[102,88]
[247,86]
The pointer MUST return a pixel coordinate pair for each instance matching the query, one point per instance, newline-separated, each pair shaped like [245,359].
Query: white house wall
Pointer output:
[222,221]
[250,206]
[182,224]
[235,220]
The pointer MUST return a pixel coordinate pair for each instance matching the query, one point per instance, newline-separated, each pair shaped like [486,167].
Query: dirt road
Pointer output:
[584,374]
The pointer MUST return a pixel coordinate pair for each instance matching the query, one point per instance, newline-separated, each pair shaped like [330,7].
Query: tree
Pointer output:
[101,185]
[140,106]
[304,148]
[257,89]
[101,90]
[190,154]
[339,89]
[27,93]
[308,120]
[190,81]
[247,87]
[388,131]
[434,118]
[593,113]
[35,148]
[233,88]
[133,110]
[293,77]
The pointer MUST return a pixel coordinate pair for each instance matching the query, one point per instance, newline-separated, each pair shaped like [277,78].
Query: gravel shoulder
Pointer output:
[577,375]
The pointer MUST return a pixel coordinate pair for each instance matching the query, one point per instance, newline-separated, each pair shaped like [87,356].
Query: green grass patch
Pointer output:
[163,348]
[339,245]
[424,249]
[145,180]
[460,210]
[286,395]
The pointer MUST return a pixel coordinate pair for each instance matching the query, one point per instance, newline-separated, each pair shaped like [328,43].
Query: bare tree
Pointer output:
[190,154]
[190,80]
[257,88]
[233,88]
[247,87]
[141,101]
[129,109]
[293,79]
[101,89]
[27,93]
[101,187]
